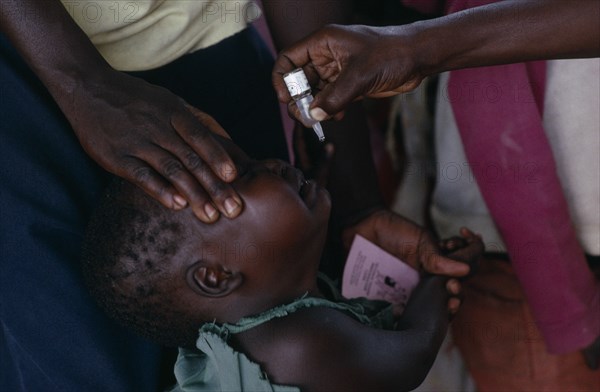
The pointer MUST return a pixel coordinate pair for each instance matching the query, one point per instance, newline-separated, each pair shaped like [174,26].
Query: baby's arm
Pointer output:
[322,349]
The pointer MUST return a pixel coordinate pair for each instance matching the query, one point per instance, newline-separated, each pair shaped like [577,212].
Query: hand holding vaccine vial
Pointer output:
[299,89]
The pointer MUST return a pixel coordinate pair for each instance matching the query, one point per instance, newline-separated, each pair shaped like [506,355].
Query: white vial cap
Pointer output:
[296,83]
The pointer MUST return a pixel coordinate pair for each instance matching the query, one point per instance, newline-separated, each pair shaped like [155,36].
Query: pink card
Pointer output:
[373,273]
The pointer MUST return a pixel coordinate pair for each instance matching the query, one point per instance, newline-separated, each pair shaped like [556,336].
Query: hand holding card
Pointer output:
[373,273]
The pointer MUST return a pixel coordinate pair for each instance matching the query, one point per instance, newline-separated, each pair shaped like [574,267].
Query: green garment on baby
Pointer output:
[216,366]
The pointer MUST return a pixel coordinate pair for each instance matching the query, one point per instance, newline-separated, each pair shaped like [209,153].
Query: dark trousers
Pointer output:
[53,337]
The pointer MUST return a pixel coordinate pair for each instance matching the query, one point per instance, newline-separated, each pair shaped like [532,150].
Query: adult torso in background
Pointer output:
[145,34]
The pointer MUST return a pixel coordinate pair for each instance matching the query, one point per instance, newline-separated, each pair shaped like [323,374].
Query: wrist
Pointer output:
[65,78]
[431,49]
[427,305]
[407,53]
[70,84]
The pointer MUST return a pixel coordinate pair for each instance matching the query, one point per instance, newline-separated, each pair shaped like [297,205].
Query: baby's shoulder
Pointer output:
[306,326]
[301,343]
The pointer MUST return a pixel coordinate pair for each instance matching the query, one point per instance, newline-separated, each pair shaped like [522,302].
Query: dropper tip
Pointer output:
[319,131]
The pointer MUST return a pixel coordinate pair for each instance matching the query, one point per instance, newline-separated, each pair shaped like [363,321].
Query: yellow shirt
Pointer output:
[137,35]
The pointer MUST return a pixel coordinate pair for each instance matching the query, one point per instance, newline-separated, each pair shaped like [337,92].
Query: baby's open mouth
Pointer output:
[308,192]
[306,188]
[302,187]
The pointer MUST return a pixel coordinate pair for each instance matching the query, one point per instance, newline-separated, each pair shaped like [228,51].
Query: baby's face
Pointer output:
[282,227]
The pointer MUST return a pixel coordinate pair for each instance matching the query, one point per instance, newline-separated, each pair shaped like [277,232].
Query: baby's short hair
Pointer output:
[130,244]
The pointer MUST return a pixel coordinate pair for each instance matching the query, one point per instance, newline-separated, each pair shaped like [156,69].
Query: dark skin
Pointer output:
[276,242]
[151,137]
[351,179]
[325,350]
[314,348]
[133,129]
[341,354]
[346,63]
[350,62]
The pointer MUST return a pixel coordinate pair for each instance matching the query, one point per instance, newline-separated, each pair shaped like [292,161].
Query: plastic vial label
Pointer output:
[299,89]
[297,83]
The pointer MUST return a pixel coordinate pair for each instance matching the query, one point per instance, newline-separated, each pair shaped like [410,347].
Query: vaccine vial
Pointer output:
[299,89]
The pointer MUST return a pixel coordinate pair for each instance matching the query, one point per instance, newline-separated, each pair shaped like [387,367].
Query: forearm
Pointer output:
[410,352]
[508,32]
[427,308]
[52,44]
[423,327]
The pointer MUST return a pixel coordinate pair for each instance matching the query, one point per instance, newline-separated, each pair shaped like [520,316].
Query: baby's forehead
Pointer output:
[151,214]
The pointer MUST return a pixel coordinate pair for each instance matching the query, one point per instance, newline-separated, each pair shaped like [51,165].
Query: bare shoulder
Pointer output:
[324,349]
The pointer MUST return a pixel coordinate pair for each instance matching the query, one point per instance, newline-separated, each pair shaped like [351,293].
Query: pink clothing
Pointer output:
[501,134]
[531,213]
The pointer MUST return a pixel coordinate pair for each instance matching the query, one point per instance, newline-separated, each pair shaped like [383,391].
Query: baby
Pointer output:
[242,297]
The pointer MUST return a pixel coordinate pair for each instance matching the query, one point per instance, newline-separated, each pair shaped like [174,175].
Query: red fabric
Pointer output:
[499,114]
[498,111]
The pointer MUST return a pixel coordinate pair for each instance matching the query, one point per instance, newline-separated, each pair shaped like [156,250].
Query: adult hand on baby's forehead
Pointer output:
[155,140]
[407,241]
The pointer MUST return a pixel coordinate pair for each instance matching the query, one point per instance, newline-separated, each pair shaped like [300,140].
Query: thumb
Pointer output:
[335,96]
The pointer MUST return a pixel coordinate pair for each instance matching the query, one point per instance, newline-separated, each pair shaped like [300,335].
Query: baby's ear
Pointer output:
[212,280]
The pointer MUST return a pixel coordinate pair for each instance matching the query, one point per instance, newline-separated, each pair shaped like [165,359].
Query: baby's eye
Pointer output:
[242,170]
[283,170]
[276,167]
[246,167]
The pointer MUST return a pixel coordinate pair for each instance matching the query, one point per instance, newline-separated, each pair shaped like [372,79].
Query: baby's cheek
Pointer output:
[291,225]
[274,218]
[276,214]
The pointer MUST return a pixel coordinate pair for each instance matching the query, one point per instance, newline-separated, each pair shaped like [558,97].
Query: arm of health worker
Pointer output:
[350,62]
[133,129]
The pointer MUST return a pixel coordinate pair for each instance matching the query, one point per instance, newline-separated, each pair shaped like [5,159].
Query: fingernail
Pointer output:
[318,114]
[228,172]
[465,269]
[211,212]
[180,202]
[231,206]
